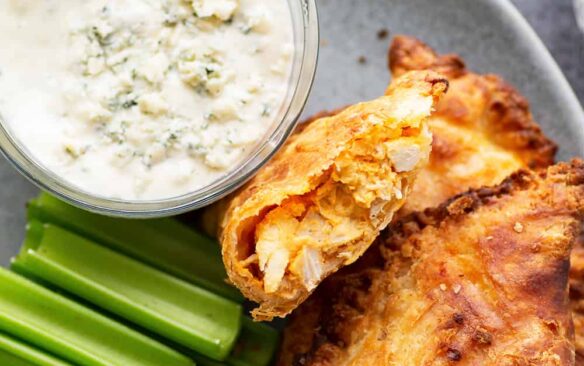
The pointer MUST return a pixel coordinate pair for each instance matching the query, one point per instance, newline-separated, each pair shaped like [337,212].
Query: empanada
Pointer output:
[320,203]
[480,280]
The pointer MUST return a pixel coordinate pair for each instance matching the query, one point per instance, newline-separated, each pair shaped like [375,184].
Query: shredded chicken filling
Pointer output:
[307,235]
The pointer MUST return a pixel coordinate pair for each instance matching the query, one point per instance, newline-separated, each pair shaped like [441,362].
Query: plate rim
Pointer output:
[574,107]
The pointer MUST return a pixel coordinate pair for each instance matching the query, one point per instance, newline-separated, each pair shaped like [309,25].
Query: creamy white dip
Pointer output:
[142,99]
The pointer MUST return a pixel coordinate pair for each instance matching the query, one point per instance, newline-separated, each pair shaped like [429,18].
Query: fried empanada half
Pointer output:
[480,280]
[320,203]
[515,140]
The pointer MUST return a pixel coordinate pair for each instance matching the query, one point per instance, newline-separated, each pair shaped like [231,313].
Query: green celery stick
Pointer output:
[256,345]
[188,315]
[12,360]
[72,332]
[163,243]
[204,361]
[16,353]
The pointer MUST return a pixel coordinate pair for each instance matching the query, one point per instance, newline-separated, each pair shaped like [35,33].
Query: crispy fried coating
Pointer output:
[577,296]
[483,129]
[320,203]
[480,280]
[501,116]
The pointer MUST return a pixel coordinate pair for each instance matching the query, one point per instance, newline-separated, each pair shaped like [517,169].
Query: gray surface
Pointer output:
[490,42]
[555,22]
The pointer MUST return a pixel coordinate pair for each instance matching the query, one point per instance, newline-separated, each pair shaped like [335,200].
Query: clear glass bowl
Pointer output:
[306,38]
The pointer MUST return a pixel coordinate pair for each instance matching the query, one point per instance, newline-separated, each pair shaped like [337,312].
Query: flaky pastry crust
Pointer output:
[483,128]
[480,280]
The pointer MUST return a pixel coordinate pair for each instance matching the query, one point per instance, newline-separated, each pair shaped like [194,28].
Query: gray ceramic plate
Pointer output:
[489,34]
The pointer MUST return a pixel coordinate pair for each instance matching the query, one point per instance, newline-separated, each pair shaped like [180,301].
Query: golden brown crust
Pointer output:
[509,111]
[317,116]
[480,280]
[577,295]
[485,102]
[483,129]
[408,53]
[300,168]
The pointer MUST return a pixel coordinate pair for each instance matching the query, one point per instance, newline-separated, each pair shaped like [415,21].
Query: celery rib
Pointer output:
[177,310]
[163,243]
[12,360]
[73,332]
[15,353]
[256,346]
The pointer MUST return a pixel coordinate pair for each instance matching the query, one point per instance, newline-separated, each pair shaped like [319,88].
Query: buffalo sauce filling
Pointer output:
[308,236]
